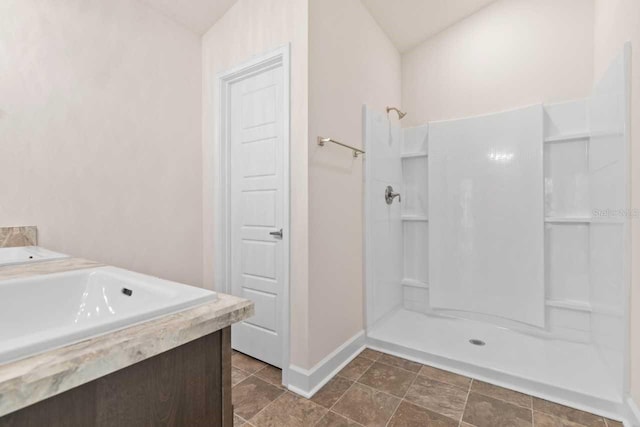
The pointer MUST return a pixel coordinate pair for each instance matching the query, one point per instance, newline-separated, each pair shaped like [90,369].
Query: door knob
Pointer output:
[277,234]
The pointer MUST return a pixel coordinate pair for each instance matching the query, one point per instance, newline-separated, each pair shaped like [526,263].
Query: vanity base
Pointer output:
[189,385]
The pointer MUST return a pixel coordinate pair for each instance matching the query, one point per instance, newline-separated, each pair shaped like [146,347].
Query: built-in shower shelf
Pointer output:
[569,304]
[413,155]
[567,220]
[568,137]
[414,283]
[414,218]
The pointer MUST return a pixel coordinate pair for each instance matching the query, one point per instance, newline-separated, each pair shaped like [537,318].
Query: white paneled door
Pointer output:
[256,137]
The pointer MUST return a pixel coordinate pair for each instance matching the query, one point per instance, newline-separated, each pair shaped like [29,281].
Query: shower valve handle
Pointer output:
[389,195]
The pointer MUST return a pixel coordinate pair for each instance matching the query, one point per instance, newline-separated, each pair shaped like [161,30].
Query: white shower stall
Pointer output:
[507,257]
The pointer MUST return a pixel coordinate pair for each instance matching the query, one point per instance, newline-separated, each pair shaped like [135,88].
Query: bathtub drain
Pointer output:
[477,342]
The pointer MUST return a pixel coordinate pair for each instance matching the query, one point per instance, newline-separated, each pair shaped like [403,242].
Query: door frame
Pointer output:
[279,57]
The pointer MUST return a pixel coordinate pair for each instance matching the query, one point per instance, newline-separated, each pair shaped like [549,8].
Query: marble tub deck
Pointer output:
[378,389]
[18,236]
[35,378]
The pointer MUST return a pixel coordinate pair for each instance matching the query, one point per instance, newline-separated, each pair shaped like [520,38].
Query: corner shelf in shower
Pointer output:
[568,304]
[414,218]
[413,155]
[567,137]
[414,283]
[567,220]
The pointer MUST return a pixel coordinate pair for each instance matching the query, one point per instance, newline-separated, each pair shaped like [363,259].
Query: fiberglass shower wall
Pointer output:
[587,218]
[487,232]
[609,228]
[396,266]
[383,258]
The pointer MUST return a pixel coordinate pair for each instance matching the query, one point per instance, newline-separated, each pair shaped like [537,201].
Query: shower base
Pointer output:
[565,372]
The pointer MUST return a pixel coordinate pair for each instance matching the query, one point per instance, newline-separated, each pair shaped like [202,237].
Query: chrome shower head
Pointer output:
[400,113]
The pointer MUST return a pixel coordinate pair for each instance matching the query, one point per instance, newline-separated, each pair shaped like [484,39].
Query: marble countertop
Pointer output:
[27,381]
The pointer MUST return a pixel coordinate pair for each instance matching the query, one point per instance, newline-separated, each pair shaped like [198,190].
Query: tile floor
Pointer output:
[377,389]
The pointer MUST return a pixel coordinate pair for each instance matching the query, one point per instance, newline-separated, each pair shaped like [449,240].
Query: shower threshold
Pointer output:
[565,372]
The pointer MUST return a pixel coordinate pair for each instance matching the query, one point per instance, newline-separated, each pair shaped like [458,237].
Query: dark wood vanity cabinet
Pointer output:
[188,386]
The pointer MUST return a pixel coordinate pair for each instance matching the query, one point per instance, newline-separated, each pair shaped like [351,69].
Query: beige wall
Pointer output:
[249,28]
[618,21]
[510,54]
[351,63]
[100,133]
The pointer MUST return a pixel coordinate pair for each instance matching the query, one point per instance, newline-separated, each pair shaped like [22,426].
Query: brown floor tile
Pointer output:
[566,413]
[334,420]
[409,415]
[445,376]
[398,362]
[371,354]
[367,406]
[387,378]
[252,395]
[355,368]
[328,395]
[289,410]
[540,419]
[270,374]
[237,375]
[246,363]
[485,411]
[442,398]
[501,393]
[434,397]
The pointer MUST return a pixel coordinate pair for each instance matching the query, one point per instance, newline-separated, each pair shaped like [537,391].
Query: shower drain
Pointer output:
[477,342]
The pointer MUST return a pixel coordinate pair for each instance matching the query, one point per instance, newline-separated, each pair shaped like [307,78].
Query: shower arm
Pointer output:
[400,113]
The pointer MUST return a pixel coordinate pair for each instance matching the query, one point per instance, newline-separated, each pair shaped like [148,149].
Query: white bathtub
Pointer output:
[27,254]
[44,312]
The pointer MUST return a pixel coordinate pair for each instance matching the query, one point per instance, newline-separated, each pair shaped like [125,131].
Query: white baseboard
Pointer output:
[306,382]
[633,413]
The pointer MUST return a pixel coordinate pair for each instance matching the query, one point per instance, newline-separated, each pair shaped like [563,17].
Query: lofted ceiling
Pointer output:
[196,15]
[406,22]
[409,22]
